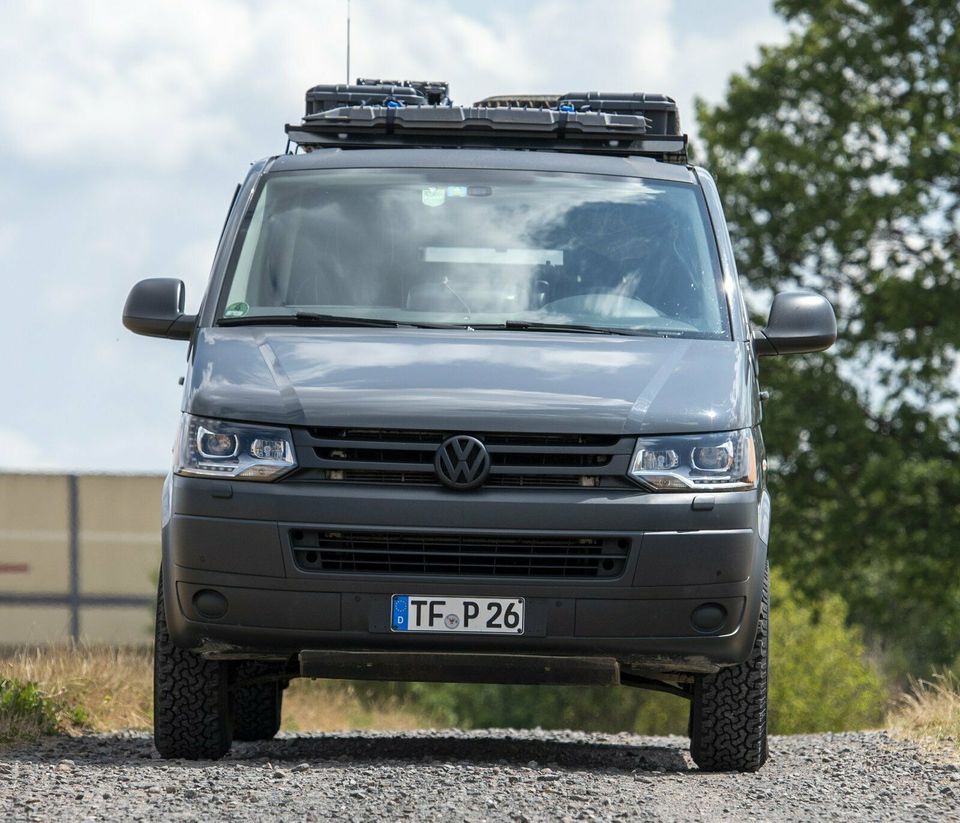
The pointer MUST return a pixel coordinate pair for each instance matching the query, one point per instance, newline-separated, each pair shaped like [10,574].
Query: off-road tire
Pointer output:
[728,714]
[191,699]
[256,714]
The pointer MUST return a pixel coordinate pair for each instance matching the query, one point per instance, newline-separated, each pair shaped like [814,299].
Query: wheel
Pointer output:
[728,714]
[191,699]
[256,713]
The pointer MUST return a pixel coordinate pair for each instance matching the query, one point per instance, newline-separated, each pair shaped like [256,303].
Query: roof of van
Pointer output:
[466,158]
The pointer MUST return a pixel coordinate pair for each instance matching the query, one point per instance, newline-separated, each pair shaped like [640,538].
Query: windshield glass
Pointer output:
[479,248]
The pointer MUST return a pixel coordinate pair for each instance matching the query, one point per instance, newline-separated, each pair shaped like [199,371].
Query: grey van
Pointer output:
[472,396]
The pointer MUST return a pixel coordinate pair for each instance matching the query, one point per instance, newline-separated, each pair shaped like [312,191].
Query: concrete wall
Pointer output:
[78,557]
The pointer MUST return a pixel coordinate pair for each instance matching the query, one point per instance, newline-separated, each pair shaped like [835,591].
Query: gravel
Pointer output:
[474,776]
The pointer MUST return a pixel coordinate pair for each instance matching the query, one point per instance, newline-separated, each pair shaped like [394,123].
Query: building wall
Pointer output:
[78,557]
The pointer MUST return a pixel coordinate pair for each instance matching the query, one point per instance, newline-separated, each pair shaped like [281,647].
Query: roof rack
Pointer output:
[418,114]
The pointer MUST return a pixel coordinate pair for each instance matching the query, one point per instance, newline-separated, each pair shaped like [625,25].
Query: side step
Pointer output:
[459,667]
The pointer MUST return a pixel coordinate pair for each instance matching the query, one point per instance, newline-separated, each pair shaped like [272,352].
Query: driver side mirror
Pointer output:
[155,308]
[800,321]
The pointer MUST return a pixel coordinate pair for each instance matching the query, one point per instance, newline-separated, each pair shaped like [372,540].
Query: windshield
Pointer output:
[478,248]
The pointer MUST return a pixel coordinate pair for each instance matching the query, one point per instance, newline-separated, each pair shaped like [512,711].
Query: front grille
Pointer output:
[466,555]
[518,460]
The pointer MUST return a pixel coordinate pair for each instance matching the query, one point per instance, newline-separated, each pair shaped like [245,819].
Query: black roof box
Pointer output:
[377,93]
[436,92]
[659,109]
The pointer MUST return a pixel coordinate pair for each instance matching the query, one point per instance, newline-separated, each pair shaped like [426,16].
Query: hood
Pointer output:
[472,380]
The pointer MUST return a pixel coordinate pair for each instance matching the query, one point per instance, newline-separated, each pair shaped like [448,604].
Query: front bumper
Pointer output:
[686,550]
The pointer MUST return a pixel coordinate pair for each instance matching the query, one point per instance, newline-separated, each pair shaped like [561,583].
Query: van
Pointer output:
[472,396]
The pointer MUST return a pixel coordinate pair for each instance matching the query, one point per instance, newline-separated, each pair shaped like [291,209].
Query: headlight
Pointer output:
[214,448]
[712,462]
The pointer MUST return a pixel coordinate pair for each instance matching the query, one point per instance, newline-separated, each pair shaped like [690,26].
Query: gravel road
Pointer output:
[474,776]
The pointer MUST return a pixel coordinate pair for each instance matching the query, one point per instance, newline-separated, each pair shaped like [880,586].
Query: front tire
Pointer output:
[728,714]
[257,705]
[191,699]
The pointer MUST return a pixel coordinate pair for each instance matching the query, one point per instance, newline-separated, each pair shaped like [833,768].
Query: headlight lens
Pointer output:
[714,462]
[215,448]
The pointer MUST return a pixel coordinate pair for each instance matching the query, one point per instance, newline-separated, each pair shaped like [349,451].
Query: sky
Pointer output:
[125,125]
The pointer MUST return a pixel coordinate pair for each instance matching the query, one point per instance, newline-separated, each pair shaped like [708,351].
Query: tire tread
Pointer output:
[257,706]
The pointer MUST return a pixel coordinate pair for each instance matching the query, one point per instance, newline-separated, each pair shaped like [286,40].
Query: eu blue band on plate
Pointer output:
[401,604]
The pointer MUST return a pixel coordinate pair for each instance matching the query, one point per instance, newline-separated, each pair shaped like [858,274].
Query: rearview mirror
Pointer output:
[155,308]
[800,321]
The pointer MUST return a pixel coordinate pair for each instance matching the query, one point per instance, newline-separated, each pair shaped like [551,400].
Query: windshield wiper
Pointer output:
[533,325]
[307,318]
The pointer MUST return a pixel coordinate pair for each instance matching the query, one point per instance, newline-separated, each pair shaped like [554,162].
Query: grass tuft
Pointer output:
[93,688]
[25,711]
[930,711]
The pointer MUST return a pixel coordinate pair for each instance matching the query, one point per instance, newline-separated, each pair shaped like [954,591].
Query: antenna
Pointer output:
[348,42]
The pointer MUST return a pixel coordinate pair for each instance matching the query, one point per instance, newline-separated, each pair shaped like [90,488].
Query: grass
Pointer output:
[73,688]
[70,689]
[25,712]
[930,711]
[323,705]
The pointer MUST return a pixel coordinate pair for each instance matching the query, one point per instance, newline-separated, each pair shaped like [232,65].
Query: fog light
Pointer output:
[210,603]
[708,618]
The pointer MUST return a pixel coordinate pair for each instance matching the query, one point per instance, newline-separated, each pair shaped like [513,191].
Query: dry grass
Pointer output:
[92,687]
[317,705]
[97,688]
[930,712]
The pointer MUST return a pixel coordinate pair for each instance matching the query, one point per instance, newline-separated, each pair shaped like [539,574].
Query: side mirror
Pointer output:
[800,321]
[155,308]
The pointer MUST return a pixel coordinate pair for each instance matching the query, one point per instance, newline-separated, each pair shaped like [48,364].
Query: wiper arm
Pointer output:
[307,318]
[533,325]
[314,319]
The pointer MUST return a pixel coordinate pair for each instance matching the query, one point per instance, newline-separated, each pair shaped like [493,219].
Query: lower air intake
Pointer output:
[465,555]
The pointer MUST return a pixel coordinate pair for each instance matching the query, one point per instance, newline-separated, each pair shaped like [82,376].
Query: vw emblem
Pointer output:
[462,462]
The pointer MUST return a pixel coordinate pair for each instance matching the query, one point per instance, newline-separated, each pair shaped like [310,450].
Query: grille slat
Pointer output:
[398,445]
[458,554]
[518,460]
[374,465]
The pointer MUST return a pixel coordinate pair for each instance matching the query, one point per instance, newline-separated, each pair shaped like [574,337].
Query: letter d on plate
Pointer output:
[400,608]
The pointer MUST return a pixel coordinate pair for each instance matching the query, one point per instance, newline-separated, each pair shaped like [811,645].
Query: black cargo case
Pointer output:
[659,109]
[376,93]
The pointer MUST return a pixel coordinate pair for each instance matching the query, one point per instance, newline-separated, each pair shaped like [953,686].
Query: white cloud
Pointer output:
[117,80]
[8,235]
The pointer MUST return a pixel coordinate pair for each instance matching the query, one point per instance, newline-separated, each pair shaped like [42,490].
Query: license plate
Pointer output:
[473,615]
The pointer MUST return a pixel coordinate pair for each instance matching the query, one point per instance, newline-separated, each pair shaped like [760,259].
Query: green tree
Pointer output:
[838,157]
